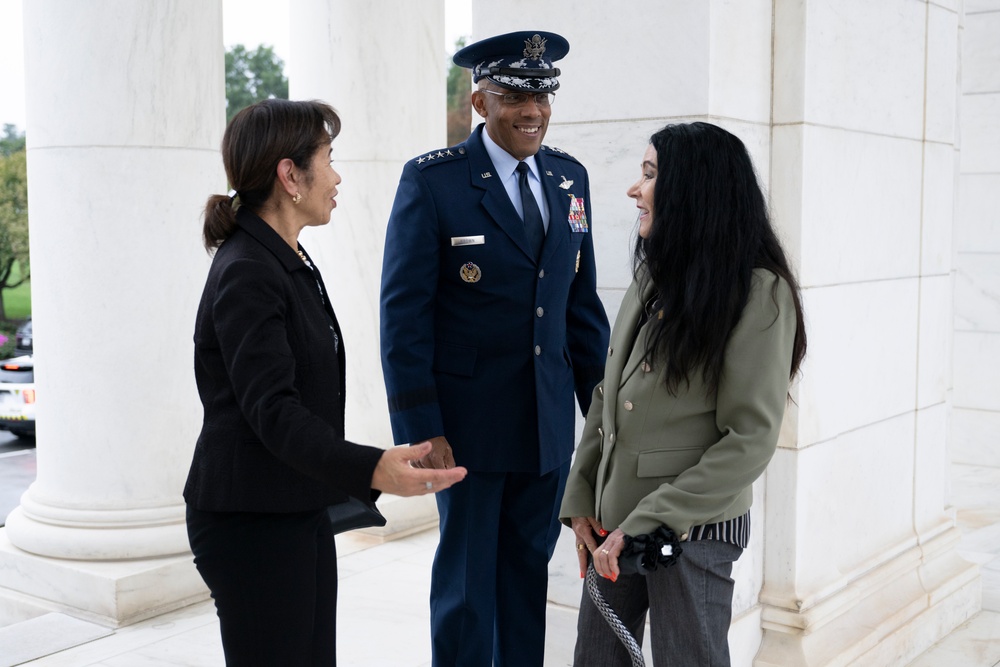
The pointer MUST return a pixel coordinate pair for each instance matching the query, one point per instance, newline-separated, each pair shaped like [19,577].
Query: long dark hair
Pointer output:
[256,140]
[710,231]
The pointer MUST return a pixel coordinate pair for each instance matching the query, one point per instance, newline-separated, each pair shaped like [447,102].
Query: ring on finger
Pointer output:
[581,547]
[429,485]
[605,552]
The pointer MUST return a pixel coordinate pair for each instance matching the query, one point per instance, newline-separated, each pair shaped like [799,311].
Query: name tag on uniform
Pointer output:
[467,240]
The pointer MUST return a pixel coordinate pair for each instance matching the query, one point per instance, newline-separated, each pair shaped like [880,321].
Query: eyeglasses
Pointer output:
[517,99]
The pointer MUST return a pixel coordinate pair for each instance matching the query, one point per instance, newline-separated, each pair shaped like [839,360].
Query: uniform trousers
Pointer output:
[490,575]
[689,605]
[274,581]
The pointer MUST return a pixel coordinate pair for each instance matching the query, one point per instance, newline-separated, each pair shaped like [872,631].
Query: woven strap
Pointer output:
[634,650]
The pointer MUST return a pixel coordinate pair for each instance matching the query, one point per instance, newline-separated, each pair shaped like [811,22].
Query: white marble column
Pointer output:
[382,65]
[861,564]
[126,105]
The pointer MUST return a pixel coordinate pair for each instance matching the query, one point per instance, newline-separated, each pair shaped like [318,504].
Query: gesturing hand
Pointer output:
[394,473]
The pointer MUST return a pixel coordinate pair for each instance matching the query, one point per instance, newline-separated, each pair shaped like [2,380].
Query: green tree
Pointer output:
[459,107]
[252,76]
[12,141]
[13,223]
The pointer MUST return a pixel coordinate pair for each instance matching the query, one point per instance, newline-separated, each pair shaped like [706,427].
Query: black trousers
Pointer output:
[274,581]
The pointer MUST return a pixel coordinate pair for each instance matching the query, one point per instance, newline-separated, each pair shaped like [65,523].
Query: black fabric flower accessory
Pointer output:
[643,553]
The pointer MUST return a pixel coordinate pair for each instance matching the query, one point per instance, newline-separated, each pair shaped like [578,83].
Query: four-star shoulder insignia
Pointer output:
[441,154]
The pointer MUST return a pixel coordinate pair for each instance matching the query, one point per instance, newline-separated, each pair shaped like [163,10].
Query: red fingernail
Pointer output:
[582,574]
[602,532]
[614,578]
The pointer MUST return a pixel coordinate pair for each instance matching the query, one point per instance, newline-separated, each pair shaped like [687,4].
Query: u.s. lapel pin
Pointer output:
[486,174]
[565,185]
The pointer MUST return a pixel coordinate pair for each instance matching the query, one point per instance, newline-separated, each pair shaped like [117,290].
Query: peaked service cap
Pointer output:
[517,60]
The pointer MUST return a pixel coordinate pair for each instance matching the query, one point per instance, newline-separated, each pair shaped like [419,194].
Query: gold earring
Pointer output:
[297,198]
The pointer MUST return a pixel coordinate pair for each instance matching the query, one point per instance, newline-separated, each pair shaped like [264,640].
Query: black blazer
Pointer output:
[269,363]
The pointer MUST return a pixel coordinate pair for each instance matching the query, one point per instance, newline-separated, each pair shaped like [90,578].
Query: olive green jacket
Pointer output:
[647,458]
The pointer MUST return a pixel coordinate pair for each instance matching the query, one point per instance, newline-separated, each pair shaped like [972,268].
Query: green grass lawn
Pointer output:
[17,302]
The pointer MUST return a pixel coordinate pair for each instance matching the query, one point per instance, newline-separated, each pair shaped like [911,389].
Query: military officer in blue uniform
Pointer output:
[490,325]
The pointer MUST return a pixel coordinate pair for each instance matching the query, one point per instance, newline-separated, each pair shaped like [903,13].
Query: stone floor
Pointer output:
[385,585]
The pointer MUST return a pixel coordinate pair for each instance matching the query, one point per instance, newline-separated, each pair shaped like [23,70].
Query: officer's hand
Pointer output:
[440,456]
[395,474]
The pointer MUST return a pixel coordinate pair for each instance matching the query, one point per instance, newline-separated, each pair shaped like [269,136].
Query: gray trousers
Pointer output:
[689,605]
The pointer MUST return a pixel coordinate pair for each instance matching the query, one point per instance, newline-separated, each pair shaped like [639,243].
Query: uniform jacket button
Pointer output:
[611,438]
[610,351]
[628,405]
[684,537]
[646,367]
[538,350]
[539,311]
[600,390]
[600,431]
[541,273]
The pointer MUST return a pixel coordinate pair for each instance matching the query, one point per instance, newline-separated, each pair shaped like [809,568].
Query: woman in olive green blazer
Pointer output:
[695,385]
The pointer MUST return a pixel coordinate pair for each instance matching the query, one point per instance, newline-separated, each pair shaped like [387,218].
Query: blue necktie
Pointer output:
[533,224]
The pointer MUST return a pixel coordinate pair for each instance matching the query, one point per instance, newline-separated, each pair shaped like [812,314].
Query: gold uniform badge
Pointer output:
[470,273]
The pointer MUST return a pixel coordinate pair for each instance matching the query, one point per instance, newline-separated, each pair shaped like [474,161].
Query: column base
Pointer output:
[110,593]
[886,617]
[97,534]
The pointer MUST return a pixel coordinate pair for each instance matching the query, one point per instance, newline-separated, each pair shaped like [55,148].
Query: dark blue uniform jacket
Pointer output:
[481,343]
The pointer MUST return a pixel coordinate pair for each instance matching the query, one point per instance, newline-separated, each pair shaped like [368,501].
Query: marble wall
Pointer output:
[863,169]
[976,417]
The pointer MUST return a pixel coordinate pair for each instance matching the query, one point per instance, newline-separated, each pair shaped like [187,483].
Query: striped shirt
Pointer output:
[735,531]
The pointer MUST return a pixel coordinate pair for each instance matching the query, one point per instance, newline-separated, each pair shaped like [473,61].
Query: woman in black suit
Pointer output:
[269,364]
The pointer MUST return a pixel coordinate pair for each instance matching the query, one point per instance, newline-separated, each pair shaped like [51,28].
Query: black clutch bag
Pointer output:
[643,553]
[353,514]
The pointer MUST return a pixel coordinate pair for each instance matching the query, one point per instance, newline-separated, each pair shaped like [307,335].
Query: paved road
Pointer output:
[17,472]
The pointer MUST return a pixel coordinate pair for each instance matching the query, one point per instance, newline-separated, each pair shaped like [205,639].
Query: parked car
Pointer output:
[23,340]
[17,396]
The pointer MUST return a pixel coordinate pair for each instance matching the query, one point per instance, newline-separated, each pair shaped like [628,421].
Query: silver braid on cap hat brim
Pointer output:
[609,614]
[540,73]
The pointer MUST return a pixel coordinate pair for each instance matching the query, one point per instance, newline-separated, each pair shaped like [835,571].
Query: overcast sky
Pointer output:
[248,22]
